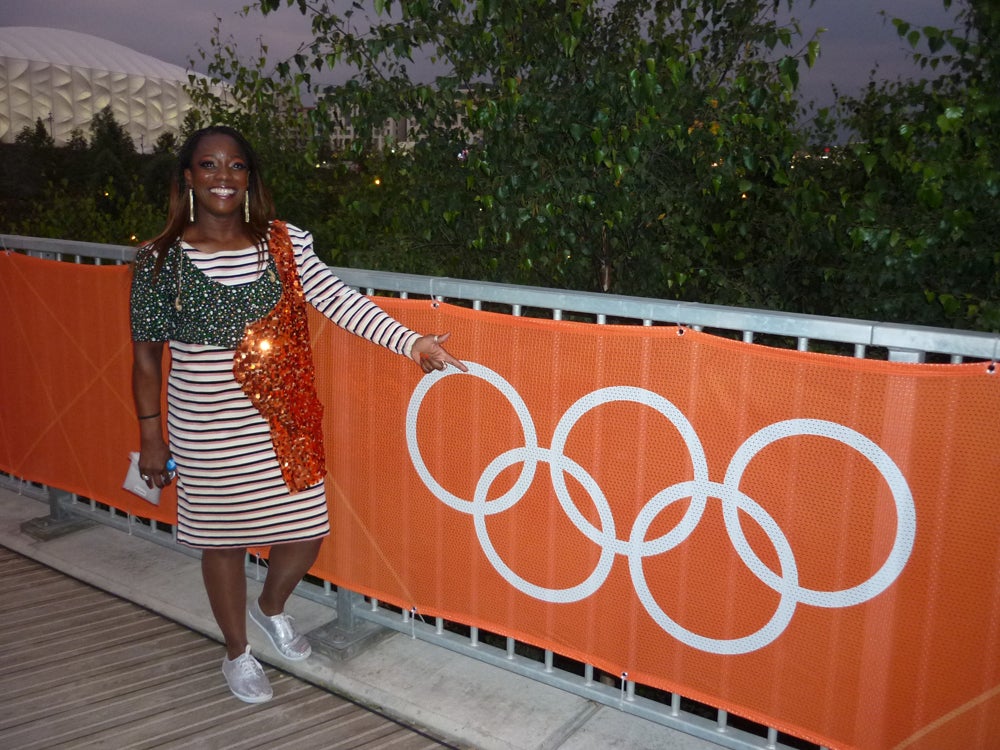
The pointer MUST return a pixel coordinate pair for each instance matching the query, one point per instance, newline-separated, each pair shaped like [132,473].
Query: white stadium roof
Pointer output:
[62,47]
[65,78]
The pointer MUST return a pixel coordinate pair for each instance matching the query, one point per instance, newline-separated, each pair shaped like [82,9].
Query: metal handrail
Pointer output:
[903,342]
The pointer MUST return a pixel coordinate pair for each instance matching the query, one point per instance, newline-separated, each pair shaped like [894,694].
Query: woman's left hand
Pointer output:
[430,355]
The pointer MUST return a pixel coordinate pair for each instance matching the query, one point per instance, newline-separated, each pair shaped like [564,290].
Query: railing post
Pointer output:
[346,599]
[907,355]
[347,635]
[60,520]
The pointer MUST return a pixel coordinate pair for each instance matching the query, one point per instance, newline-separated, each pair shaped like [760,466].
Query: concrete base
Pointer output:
[340,643]
[45,528]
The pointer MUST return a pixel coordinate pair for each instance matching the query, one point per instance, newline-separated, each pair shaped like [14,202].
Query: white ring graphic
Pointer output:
[698,489]
[671,412]
[516,492]
[906,514]
[605,539]
[786,608]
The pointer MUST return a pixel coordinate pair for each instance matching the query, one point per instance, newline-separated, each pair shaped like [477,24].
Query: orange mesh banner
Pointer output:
[806,540]
[67,418]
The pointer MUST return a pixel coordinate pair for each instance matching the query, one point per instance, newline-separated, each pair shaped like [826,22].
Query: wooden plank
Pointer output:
[85,669]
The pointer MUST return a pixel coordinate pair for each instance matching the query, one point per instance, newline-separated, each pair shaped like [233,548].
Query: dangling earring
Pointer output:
[246,207]
[191,205]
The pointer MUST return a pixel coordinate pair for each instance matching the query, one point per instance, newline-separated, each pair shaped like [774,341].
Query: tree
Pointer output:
[626,145]
[108,135]
[77,140]
[37,138]
[644,147]
[166,143]
[112,153]
[101,215]
[31,164]
[920,180]
[159,168]
[92,191]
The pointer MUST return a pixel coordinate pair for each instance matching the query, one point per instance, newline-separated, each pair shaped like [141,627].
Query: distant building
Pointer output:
[64,78]
[395,133]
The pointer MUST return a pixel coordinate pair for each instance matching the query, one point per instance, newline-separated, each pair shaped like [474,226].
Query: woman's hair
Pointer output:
[261,204]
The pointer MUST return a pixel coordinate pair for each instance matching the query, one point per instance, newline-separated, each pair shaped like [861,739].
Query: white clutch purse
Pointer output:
[135,484]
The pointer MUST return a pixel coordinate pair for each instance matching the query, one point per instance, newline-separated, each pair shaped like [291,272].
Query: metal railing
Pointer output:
[854,338]
[863,338]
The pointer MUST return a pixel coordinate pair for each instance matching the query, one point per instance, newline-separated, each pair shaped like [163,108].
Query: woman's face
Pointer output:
[219,175]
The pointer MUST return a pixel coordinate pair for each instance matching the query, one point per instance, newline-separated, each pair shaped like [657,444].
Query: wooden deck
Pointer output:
[80,668]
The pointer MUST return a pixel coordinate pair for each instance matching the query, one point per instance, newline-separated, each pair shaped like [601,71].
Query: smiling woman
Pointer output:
[226,284]
[218,177]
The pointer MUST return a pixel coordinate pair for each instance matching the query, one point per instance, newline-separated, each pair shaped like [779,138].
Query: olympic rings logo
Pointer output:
[699,489]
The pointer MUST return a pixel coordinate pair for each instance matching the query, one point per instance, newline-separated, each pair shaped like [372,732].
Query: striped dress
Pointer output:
[230,492]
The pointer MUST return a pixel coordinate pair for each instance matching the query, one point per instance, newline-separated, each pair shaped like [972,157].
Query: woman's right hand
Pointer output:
[153,457]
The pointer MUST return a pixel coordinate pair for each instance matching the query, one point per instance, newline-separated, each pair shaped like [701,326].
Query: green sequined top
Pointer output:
[184,304]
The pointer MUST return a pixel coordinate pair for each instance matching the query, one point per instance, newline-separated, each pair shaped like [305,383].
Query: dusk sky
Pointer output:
[857,38]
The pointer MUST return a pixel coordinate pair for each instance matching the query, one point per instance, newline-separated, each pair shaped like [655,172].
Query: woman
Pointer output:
[226,284]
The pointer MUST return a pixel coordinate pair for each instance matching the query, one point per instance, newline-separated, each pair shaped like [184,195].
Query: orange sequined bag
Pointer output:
[274,366]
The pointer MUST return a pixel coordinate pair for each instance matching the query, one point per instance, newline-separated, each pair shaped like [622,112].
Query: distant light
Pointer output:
[378,180]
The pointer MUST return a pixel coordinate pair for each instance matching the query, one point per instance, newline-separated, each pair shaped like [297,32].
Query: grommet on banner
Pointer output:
[991,368]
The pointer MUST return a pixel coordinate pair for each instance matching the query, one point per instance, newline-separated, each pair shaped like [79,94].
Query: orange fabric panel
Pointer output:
[851,599]
[67,417]
[808,541]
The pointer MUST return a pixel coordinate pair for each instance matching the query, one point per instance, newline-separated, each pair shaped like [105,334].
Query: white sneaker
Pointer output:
[246,678]
[293,646]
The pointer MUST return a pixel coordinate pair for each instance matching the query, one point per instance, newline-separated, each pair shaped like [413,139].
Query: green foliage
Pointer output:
[643,147]
[920,180]
[112,154]
[31,163]
[77,140]
[101,215]
[646,148]
[630,146]
[167,143]
[35,138]
[91,191]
